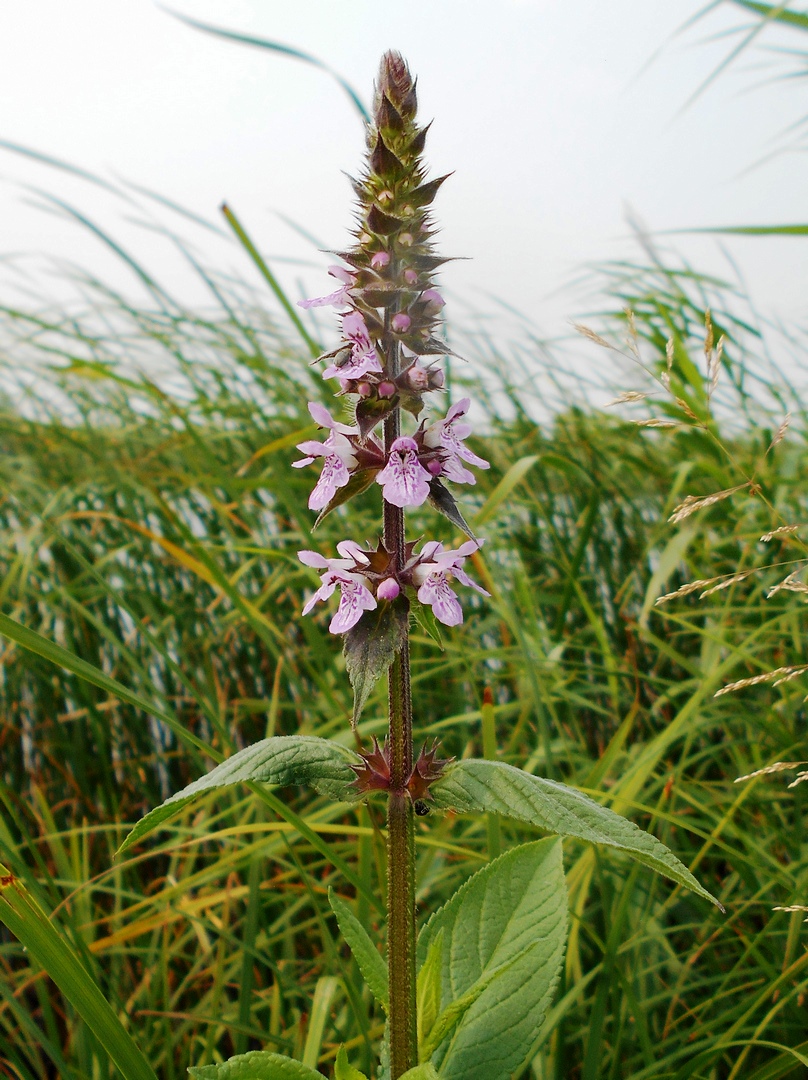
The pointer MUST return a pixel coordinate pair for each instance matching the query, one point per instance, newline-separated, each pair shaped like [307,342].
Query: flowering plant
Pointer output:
[466,997]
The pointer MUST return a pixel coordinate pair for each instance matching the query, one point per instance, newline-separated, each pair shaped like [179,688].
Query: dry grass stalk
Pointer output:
[714,366]
[767,676]
[775,767]
[782,530]
[626,397]
[725,584]
[780,434]
[791,907]
[789,584]
[633,338]
[798,779]
[657,422]
[586,332]
[697,502]
[685,590]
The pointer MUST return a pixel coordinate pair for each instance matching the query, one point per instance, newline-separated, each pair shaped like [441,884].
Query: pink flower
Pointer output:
[355,597]
[404,480]
[388,589]
[428,571]
[448,435]
[380,260]
[338,452]
[363,353]
[334,299]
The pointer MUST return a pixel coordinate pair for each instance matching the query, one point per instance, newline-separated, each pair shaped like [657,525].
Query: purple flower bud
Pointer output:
[433,297]
[437,380]
[401,322]
[410,276]
[405,239]
[364,389]
[435,467]
[418,378]
[388,589]
[386,389]
[380,260]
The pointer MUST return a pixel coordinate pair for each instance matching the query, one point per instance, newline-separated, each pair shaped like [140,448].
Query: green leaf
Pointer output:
[282,760]
[343,1070]
[454,1012]
[371,645]
[367,956]
[421,1072]
[498,788]
[428,992]
[514,476]
[49,650]
[32,927]
[506,926]
[257,1065]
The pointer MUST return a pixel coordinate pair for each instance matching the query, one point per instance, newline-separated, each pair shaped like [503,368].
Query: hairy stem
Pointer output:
[400,817]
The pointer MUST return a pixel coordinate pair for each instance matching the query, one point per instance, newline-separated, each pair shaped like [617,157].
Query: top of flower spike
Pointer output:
[396,85]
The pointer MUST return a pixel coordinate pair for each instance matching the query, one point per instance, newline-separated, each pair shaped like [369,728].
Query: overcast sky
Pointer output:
[554,117]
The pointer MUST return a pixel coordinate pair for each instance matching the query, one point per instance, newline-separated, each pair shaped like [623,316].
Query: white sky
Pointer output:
[542,108]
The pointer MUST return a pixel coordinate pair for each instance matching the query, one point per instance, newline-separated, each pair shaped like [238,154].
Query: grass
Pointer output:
[149,523]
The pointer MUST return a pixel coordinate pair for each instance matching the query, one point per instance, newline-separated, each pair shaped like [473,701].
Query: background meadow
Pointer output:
[149,524]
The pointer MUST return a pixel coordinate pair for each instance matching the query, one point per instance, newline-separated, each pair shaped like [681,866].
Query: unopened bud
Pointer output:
[418,378]
[380,260]
[437,380]
[410,276]
[435,467]
[401,322]
[386,389]
[364,389]
[433,298]
[405,239]
[388,589]
[385,196]
[365,238]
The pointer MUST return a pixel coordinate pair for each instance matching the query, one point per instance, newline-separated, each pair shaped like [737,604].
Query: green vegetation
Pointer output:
[150,524]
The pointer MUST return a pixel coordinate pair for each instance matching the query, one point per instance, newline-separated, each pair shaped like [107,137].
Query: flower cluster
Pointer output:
[389,310]
[365,577]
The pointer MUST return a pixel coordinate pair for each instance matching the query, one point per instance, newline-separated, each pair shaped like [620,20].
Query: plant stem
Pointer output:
[400,815]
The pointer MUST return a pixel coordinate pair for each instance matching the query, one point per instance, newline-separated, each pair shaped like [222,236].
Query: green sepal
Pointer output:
[280,761]
[371,646]
[256,1065]
[442,500]
[367,956]
[499,788]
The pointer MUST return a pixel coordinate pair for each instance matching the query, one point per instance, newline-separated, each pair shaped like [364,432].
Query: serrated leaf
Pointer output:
[442,500]
[509,922]
[281,761]
[359,482]
[343,1070]
[495,787]
[454,1012]
[256,1065]
[371,645]
[428,992]
[367,956]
